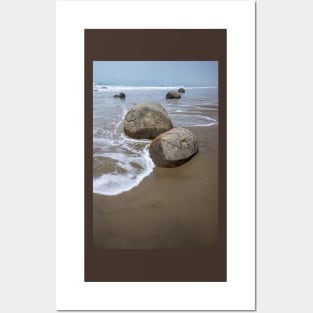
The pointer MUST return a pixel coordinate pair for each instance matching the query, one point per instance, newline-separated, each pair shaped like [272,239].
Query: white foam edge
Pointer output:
[131,184]
[110,88]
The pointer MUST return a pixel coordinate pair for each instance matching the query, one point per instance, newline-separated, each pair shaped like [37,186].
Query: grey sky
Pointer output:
[156,73]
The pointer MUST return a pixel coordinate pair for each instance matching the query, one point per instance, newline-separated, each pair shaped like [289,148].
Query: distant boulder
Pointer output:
[173,148]
[181,90]
[173,94]
[146,121]
[121,95]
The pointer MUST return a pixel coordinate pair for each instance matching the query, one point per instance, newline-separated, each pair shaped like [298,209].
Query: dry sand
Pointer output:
[171,208]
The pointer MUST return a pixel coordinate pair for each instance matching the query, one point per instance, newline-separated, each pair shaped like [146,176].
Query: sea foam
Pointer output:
[192,120]
[116,183]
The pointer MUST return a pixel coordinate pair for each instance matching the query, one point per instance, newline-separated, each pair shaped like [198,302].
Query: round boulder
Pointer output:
[121,95]
[173,148]
[173,94]
[146,121]
[181,90]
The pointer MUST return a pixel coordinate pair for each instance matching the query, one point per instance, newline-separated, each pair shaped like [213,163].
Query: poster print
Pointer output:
[155,155]
[139,260]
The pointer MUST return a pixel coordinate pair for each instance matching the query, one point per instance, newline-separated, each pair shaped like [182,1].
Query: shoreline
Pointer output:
[170,208]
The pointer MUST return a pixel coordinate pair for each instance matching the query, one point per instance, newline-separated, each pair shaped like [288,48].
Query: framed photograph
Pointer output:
[159,196]
[155,182]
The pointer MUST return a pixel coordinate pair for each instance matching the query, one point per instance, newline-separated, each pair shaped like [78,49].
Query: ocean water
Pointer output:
[121,163]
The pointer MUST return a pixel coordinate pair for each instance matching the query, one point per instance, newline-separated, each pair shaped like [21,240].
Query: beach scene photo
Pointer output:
[155,154]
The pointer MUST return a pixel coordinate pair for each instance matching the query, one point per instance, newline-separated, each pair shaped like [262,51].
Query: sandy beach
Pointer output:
[170,208]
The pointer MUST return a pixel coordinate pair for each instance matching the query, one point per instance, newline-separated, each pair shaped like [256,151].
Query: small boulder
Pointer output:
[146,121]
[173,94]
[181,90]
[173,148]
[121,95]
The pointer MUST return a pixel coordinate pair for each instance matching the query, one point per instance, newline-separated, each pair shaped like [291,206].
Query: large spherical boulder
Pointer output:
[173,147]
[173,94]
[146,121]
[181,90]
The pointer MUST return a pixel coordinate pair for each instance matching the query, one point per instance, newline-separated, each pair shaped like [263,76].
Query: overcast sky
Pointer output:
[156,73]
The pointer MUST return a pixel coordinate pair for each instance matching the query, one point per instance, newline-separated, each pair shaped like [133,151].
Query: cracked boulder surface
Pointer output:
[146,121]
[173,148]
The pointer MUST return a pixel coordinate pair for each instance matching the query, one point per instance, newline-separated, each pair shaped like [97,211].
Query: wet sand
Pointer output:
[171,208]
